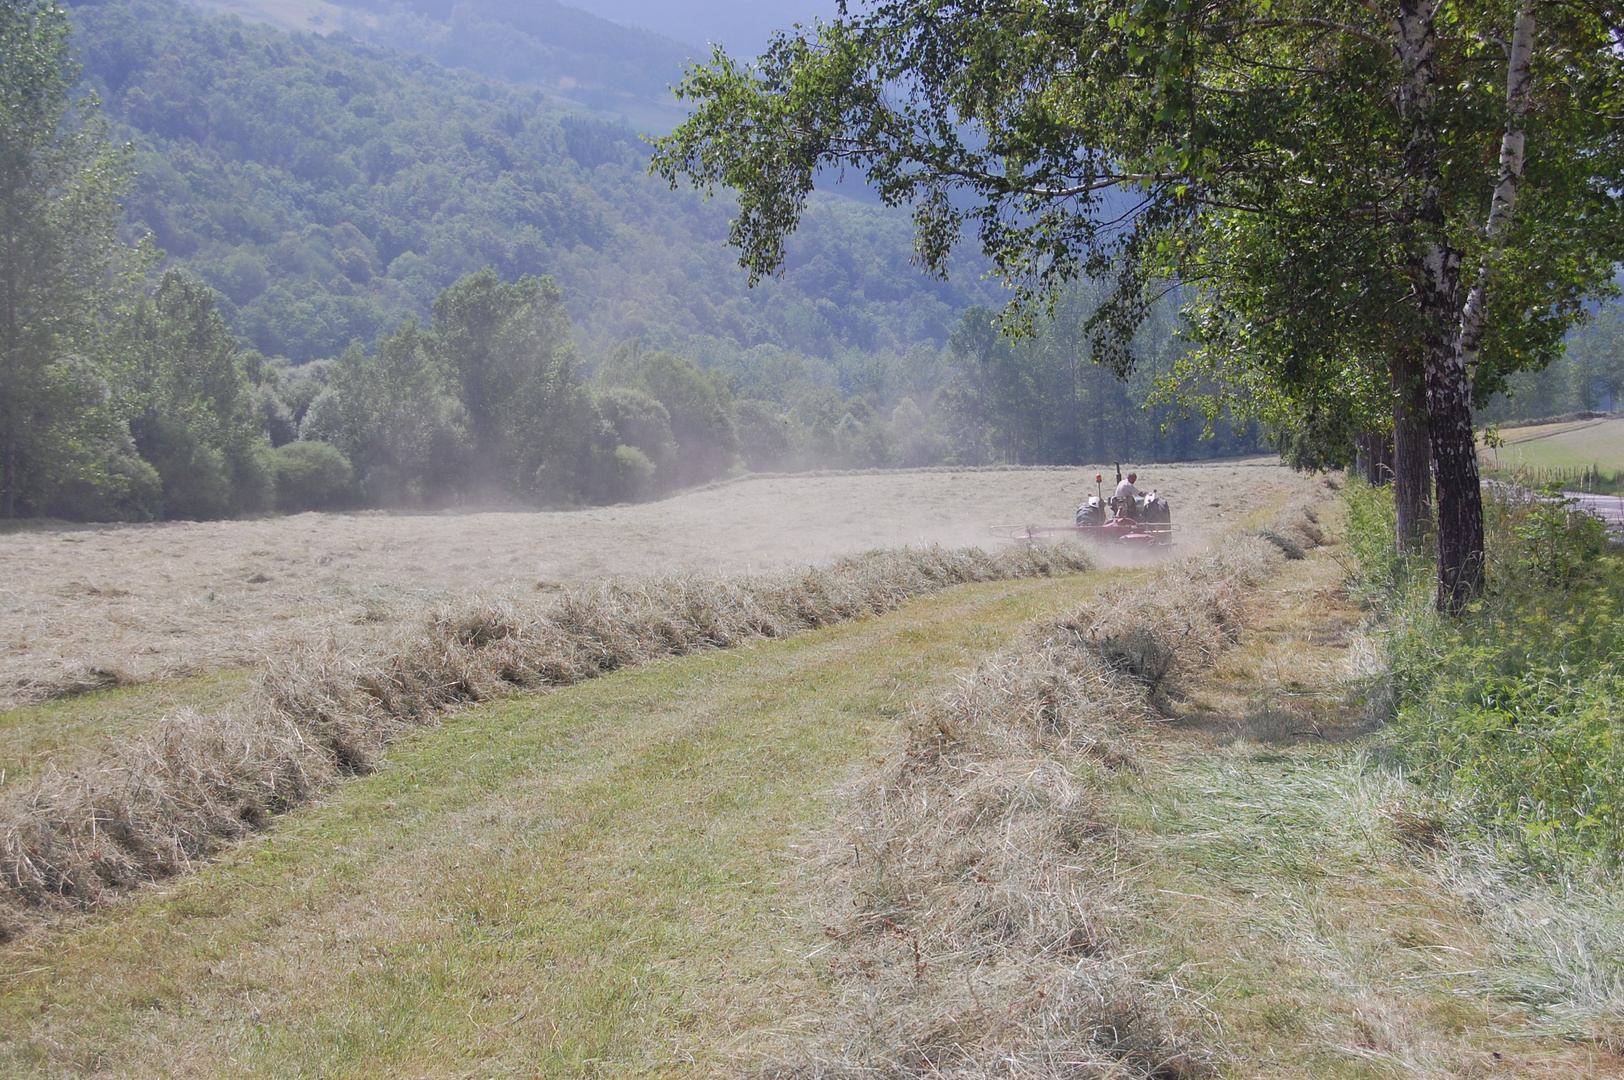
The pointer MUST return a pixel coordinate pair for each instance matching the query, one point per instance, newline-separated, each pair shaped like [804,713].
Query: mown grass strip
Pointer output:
[1300,893]
[970,888]
[33,738]
[586,883]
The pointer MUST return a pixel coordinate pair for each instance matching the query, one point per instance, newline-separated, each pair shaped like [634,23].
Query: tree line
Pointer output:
[487,404]
[1587,377]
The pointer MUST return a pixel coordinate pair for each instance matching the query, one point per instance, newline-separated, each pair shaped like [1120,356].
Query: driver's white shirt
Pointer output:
[1126,492]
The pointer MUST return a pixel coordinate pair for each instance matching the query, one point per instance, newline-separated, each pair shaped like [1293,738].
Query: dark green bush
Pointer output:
[310,476]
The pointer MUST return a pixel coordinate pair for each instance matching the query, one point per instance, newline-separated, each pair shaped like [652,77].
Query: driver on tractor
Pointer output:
[1126,499]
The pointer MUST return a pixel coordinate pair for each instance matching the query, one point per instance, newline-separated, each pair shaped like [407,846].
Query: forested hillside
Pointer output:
[326,275]
[330,189]
[620,72]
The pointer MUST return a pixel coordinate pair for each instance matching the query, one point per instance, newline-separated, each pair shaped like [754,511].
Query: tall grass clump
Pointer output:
[972,892]
[1377,574]
[1511,710]
[151,807]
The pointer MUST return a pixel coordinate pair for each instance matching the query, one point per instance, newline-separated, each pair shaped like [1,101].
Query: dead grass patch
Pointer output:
[36,738]
[1294,527]
[158,802]
[88,679]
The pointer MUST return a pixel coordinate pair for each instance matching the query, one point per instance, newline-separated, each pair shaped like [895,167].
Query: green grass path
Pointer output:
[584,883]
[1291,892]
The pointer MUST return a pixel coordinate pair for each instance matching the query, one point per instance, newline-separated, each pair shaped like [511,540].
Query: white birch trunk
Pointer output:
[1519,90]
[1435,264]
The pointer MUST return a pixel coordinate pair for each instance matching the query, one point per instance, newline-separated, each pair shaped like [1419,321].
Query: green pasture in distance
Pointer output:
[1578,445]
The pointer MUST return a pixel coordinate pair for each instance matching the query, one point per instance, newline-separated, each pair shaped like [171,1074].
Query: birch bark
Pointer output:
[1453,329]
[1519,89]
[1449,375]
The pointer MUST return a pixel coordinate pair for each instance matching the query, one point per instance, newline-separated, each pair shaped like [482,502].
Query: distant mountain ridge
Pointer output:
[618,71]
[742,27]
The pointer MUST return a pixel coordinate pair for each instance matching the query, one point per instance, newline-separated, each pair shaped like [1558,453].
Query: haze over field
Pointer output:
[742,27]
[176,599]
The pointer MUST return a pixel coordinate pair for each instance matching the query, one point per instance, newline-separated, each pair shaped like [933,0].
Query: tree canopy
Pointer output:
[1453,170]
[60,182]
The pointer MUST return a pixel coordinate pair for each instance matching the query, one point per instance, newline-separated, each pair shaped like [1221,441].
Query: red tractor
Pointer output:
[1130,520]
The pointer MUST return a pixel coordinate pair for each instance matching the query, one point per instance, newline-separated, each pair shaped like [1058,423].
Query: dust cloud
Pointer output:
[153,601]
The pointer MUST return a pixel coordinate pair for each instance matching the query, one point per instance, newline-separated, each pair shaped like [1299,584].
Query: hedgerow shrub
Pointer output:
[1511,711]
[310,476]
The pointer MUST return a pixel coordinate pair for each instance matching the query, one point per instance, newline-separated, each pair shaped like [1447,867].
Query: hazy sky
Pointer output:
[743,26]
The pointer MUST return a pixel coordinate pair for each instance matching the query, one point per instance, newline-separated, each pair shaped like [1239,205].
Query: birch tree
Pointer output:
[1115,138]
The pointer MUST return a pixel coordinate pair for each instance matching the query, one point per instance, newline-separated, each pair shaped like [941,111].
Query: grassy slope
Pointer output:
[597,882]
[1563,446]
[580,884]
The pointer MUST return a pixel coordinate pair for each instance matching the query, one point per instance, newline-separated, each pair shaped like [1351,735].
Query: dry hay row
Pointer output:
[151,807]
[973,889]
[1294,528]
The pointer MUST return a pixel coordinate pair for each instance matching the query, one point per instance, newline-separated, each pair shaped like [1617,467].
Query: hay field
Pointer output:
[631,877]
[1575,445]
[86,604]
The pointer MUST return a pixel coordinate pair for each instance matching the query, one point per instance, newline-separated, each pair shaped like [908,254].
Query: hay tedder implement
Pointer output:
[1145,523]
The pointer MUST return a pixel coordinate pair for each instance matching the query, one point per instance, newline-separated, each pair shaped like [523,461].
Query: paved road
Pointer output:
[1610,508]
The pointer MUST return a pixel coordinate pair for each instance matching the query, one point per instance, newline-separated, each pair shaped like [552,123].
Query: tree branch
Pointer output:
[1325,24]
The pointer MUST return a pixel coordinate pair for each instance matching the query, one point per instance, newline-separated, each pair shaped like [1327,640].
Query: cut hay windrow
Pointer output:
[152,806]
[973,892]
[1294,528]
